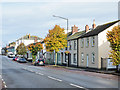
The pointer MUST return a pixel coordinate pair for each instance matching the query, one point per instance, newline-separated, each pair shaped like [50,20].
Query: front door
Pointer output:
[69,59]
[87,60]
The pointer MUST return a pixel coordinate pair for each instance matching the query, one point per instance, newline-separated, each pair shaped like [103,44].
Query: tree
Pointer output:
[34,48]
[114,38]
[56,40]
[21,49]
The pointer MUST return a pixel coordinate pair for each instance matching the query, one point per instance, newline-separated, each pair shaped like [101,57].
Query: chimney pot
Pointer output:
[94,25]
[86,28]
[74,29]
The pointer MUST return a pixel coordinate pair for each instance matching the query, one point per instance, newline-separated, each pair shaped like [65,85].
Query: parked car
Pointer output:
[40,61]
[14,58]
[22,60]
[11,55]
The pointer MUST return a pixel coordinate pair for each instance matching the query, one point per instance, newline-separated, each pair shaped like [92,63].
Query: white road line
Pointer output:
[76,86]
[54,78]
[39,73]
[5,86]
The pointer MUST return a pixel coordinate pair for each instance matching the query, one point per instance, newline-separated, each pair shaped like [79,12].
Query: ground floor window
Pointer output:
[93,57]
[66,57]
[82,57]
[74,58]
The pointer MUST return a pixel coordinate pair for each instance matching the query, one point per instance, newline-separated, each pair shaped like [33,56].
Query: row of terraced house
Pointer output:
[87,48]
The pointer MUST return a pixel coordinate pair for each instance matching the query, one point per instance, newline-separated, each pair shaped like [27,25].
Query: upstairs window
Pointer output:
[93,41]
[74,45]
[82,43]
[87,42]
[69,45]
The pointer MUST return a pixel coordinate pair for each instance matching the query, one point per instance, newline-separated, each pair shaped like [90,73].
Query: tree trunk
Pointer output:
[55,58]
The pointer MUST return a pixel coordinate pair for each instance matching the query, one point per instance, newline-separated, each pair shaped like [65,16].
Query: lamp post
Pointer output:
[67,29]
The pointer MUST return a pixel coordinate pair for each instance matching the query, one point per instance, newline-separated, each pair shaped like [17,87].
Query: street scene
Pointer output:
[60,45]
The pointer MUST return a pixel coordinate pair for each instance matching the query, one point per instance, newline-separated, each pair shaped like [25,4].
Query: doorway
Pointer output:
[87,59]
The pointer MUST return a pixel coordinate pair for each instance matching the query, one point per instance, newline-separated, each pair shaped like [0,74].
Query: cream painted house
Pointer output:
[93,46]
[70,59]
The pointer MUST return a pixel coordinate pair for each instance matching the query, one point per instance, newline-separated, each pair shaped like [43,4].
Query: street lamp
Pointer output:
[67,29]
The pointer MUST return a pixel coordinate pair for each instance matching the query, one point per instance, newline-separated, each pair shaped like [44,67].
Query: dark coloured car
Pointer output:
[22,60]
[40,61]
[14,58]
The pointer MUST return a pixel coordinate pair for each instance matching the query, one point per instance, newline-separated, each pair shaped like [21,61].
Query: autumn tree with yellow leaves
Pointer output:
[34,48]
[21,49]
[114,38]
[56,40]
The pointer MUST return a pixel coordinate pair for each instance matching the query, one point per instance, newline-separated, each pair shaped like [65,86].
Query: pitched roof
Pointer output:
[76,35]
[31,37]
[99,29]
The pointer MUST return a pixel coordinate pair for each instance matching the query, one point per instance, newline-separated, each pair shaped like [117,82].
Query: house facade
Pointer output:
[93,46]
[27,39]
[70,59]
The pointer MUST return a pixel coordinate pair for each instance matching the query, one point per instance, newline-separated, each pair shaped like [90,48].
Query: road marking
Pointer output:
[77,86]
[39,73]
[54,78]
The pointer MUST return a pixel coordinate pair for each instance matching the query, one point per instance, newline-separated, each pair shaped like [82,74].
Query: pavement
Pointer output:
[113,72]
[17,75]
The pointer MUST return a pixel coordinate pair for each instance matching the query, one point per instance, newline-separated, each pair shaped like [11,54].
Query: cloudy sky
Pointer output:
[35,18]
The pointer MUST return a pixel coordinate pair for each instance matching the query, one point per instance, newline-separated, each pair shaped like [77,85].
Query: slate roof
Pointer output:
[76,35]
[99,29]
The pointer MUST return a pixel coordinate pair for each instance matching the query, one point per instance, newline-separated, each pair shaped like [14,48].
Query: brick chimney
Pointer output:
[86,28]
[35,39]
[94,25]
[29,36]
[74,29]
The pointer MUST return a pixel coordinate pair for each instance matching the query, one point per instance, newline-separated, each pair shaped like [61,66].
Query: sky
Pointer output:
[36,18]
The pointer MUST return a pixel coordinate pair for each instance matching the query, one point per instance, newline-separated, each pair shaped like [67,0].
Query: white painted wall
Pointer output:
[103,44]
[25,41]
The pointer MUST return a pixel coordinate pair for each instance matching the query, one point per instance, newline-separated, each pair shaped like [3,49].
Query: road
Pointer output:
[18,75]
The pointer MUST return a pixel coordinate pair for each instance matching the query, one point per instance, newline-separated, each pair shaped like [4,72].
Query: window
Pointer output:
[74,58]
[58,56]
[82,57]
[93,41]
[65,48]
[93,58]
[74,45]
[66,57]
[87,42]
[69,45]
[82,43]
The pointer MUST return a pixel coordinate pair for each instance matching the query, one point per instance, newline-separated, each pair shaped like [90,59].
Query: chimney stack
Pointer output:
[29,36]
[94,25]
[86,28]
[35,39]
[74,29]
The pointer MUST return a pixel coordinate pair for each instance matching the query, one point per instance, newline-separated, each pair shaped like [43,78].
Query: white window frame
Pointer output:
[82,42]
[74,58]
[93,57]
[70,47]
[82,57]
[87,42]
[75,44]
[93,41]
